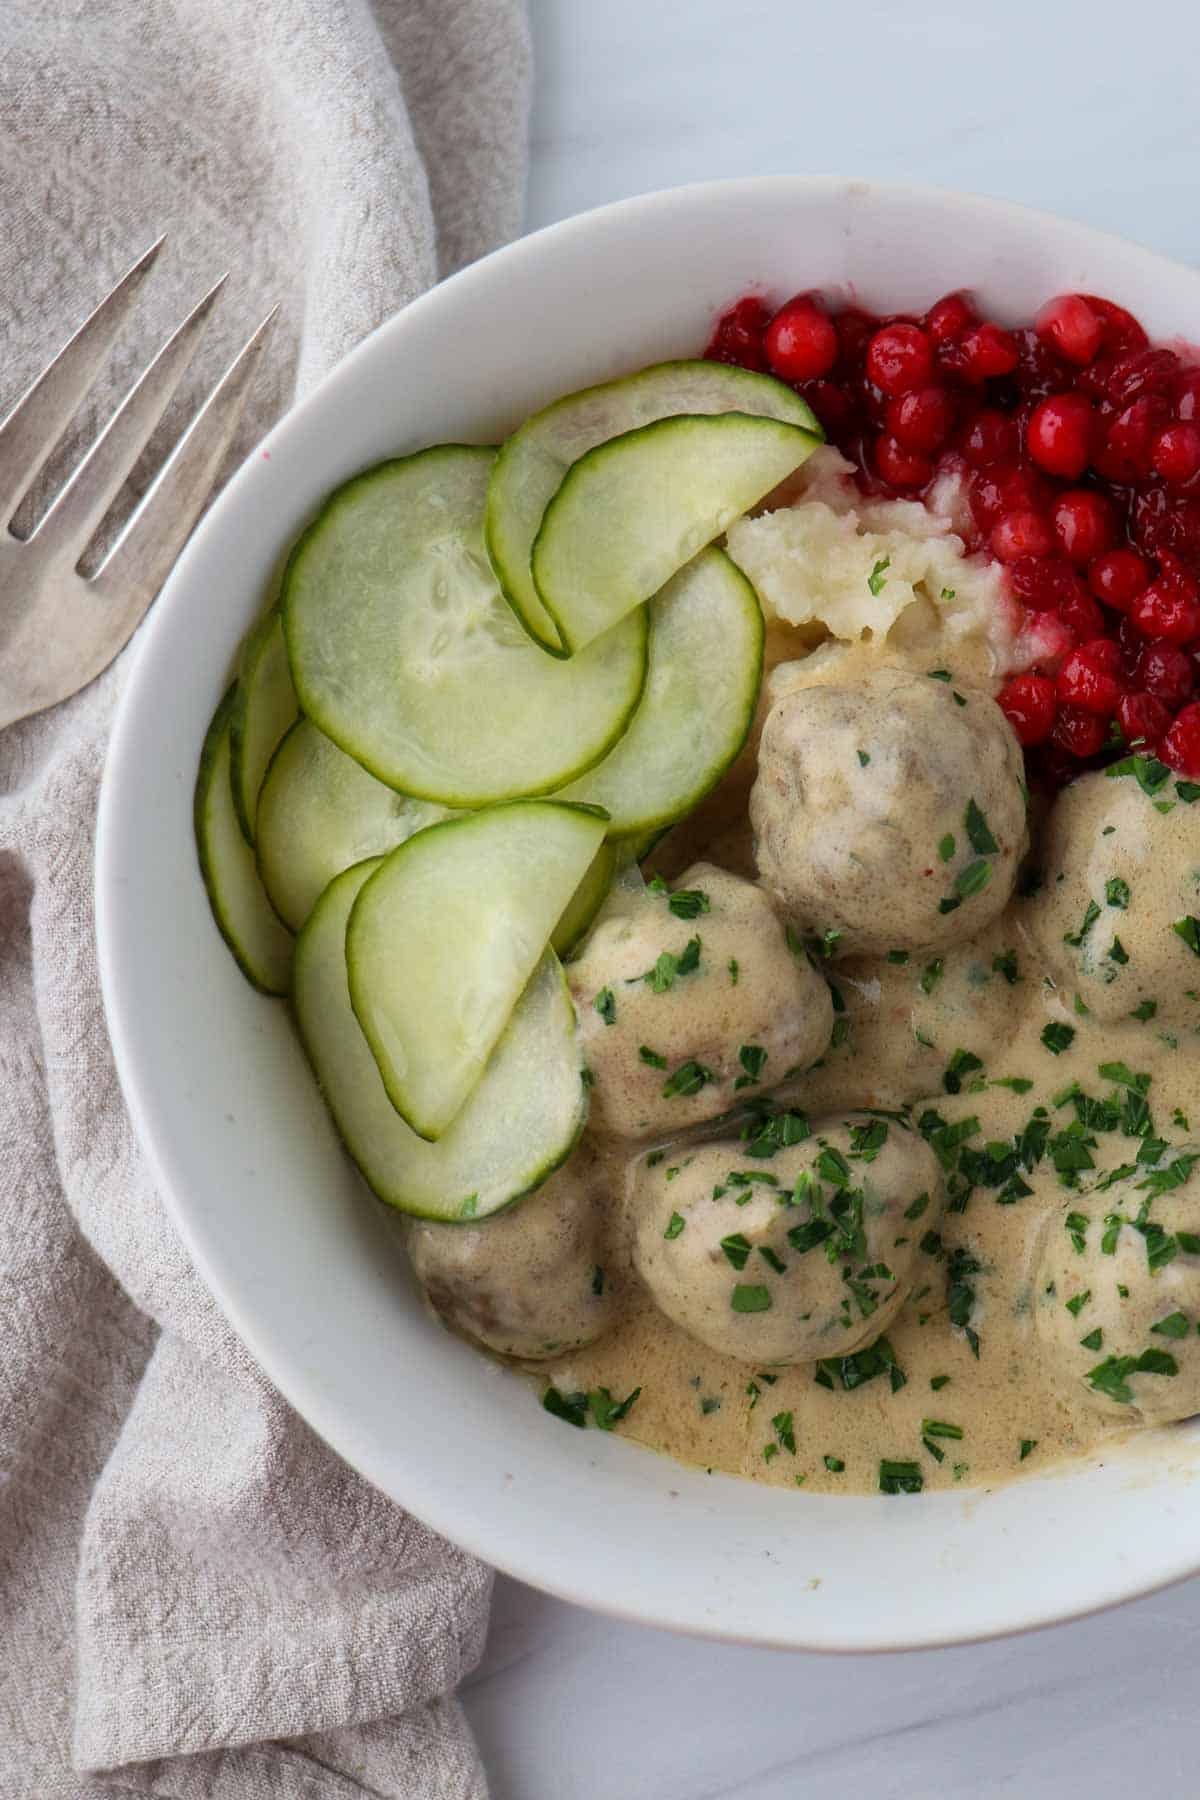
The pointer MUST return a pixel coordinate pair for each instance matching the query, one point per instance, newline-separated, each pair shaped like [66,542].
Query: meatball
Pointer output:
[807,1256]
[889,815]
[691,1000]
[1117,1303]
[531,1281]
[907,1029]
[1114,919]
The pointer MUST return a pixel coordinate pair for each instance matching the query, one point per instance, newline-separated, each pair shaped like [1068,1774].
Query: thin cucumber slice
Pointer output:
[319,812]
[706,650]
[261,947]
[586,901]
[519,1124]
[633,511]
[444,937]
[264,708]
[404,652]
[532,463]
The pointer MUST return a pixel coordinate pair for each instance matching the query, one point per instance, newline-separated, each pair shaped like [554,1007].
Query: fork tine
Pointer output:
[139,561]
[30,431]
[86,497]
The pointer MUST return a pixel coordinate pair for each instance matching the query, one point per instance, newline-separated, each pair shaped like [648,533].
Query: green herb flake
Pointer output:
[782,1426]
[1005,963]
[687,1080]
[753,1059]
[747,1298]
[963,1062]
[877,579]
[931,974]
[1111,1377]
[899,957]
[1020,1084]
[946,847]
[834,1464]
[899,1477]
[1188,928]
[1144,1010]
[608,1412]
[1093,1340]
[675,1224]
[571,1408]
[606,1006]
[979,831]
[1188,791]
[1147,771]
[863,759]
[689,903]
[1119,954]
[1175,1325]
[1058,1038]
[1077,1302]
[1117,892]
[737,1249]
[939,674]
[1027,1444]
[1075,938]
[733,971]
[651,1057]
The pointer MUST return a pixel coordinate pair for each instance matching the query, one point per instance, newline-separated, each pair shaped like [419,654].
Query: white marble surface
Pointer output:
[1086,109]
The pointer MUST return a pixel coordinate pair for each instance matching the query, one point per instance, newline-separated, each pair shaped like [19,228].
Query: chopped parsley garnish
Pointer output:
[597,1280]
[861,1366]
[1188,928]
[766,1137]
[971,880]
[1020,1084]
[1175,1325]
[931,974]
[979,832]
[1188,791]
[900,1477]
[947,847]
[747,1298]
[1144,1010]
[1058,1038]
[916,1207]
[710,1404]
[877,579]
[573,1408]
[608,1412]
[687,1080]
[1077,1302]
[651,1057]
[939,674]
[1117,892]
[733,971]
[963,1062]
[866,1141]
[753,1059]
[834,1464]
[899,957]
[863,759]
[688,903]
[938,1382]
[939,1428]
[772,1260]
[1093,1340]
[1076,1224]
[1119,954]
[1111,1377]
[960,1295]
[1006,964]
[1148,772]
[947,593]
[606,1006]
[675,1225]
[1075,938]
[737,1249]
[782,1426]
[1027,1444]
[662,976]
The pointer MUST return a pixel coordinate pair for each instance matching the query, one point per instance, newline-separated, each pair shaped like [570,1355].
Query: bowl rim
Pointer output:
[428,1501]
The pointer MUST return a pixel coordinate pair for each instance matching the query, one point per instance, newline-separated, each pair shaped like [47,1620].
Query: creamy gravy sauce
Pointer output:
[1016,1407]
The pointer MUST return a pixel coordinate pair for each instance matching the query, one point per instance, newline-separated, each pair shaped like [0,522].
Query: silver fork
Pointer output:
[58,628]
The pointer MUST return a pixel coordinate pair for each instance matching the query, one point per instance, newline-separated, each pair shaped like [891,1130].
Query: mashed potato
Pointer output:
[866,570]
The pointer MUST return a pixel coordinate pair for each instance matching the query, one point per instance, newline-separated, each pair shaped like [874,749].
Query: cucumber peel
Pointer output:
[520,1123]
[706,653]
[632,512]
[444,936]
[264,707]
[261,946]
[404,652]
[531,465]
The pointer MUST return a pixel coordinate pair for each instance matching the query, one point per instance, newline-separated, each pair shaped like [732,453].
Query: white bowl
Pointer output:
[303,1261]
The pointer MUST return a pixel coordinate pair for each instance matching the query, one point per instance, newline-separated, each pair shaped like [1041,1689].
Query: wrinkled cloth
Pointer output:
[197,1599]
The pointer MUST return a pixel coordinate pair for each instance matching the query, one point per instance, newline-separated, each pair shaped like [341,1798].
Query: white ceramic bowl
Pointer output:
[304,1262]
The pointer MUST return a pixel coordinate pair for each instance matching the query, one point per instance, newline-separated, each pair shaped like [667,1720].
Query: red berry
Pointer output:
[1080,612]
[994,492]
[899,467]
[1142,718]
[1176,453]
[948,318]
[1029,704]
[1083,524]
[1141,372]
[1088,678]
[1126,452]
[801,341]
[855,329]
[1120,330]
[1044,583]
[1167,672]
[1181,745]
[1078,732]
[990,437]
[921,420]
[1072,326]
[1187,395]
[899,359]
[1018,534]
[832,404]
[1166,524]
[737,336]
[1118,577]
[988,351]
[1059,435]
[1169,608]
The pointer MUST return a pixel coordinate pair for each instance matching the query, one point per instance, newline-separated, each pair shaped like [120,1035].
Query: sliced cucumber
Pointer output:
[444,937]
[633,511]
[586,901]
[519,1124]
[263,709]
[319,812]
[404,652]
[532,463]
[706,649]
[260,945]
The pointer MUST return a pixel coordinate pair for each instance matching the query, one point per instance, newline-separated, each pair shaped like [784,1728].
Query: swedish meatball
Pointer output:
[687,1004]
[1114,918]
[1118,1303]
[788,1261]
[531,1281]
[888,815]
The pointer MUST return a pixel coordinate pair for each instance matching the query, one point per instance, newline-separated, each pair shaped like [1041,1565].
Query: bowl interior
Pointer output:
[305,1264]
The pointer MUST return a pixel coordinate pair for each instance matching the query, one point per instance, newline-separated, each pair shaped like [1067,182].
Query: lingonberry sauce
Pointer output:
[1079,442]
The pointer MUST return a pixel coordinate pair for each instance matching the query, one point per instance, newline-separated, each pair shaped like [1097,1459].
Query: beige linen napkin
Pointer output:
[196,1597]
